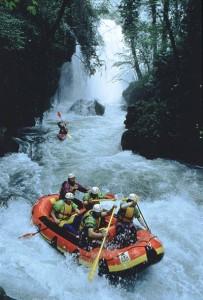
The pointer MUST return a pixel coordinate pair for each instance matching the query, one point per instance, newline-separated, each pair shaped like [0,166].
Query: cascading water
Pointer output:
[171,196]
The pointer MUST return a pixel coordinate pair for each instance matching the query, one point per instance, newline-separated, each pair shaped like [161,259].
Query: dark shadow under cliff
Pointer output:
[29,70]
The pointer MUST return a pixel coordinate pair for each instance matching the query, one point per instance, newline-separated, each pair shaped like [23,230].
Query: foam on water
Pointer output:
[171,200]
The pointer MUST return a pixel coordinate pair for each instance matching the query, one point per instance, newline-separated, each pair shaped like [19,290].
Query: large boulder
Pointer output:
[174,147]
[3,295]
[87,107]
[7,142]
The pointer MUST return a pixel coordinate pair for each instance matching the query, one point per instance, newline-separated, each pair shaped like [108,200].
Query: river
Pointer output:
[171,195]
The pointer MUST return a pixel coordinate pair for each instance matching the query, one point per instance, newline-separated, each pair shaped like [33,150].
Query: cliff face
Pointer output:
[165,109]
[29,76]
[187,149]
[164,118]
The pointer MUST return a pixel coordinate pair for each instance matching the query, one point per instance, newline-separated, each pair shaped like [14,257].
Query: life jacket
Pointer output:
[126,214]
[73,188]
[63,130]
[95,223]
[65,212]
[90,196]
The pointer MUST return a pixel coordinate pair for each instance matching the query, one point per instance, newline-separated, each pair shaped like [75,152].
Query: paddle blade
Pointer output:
[110,196]
[92,272]
[27,235]
[59,114]
[93,269]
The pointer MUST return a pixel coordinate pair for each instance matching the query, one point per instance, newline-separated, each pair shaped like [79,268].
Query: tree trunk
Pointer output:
[135,59]
[170,33]
[164,28]
[54,28]
[154,32]
[145,60]
[176,16]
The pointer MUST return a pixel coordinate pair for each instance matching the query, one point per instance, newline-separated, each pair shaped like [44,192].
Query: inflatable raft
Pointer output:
[146,251]
[61,136]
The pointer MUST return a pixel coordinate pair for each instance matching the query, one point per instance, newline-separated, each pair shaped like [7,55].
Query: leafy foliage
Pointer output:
[78,19]
[166,102]
[12,33]
[82,19]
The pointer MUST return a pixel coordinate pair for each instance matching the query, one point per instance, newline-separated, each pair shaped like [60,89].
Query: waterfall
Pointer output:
[171,194]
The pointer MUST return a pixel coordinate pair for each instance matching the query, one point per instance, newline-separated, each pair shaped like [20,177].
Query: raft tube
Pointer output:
[147,250]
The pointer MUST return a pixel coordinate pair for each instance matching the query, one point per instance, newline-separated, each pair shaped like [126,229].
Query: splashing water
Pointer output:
[171,196]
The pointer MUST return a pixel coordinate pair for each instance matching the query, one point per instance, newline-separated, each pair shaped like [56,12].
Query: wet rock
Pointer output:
[150,148]
[99,108]
[146,136]
[7,142]
[175,147]
[3,295]
[88,107]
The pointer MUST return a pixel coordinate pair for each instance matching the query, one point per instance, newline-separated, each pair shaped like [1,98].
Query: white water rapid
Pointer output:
[171,196]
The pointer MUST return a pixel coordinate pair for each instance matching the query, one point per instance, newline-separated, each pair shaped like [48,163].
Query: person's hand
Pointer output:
[104,232]
[94,201]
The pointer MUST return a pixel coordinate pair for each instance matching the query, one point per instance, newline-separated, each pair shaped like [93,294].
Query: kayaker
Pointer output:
[125,228]
[90,236]
[62,213]
[91,197]
[63,127]
[72,186]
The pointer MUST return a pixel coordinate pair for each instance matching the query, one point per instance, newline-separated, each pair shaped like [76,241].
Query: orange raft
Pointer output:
[146,251]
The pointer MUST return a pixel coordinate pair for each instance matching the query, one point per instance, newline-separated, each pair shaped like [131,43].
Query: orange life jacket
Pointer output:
[127,214]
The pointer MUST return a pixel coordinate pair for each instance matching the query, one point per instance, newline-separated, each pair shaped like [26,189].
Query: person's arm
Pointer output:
[101,196]
[108,212]
[54,217]
[85,199]
[126,205]
[75,208]
[137,215]
[142,222]
[64,189]
[82,188]
[95,235]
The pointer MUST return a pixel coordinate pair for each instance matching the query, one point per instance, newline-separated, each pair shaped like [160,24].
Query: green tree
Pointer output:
[48,20]
[129,10]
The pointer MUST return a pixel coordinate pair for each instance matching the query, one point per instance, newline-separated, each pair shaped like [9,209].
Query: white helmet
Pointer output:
[95,190]
[69,196]
[97,208]
[71,175]
[133,197]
